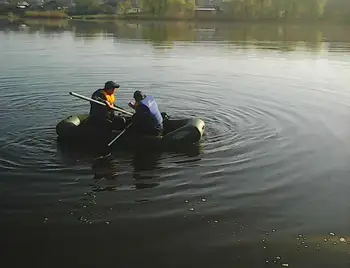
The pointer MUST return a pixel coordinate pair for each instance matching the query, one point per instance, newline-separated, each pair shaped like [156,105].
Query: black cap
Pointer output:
[138,95]
[111,85]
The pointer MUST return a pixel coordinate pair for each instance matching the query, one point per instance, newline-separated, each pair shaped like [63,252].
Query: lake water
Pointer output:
[268,186]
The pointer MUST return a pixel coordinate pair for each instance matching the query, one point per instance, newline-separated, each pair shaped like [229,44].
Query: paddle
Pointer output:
[99,102]
[119,135]
[105,153]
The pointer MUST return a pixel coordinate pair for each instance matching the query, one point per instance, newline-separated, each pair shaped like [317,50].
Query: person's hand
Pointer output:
[131,105]
[109,105]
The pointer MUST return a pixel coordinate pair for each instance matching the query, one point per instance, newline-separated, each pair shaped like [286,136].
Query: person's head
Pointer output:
[139,96]
[110,87]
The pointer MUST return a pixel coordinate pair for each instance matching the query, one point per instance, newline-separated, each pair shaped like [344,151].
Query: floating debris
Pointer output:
[284,264]
[107,222]
[278,258]
[331,234]
[83,219]
[186,201]
[191,209]
[204,200]
[342,239]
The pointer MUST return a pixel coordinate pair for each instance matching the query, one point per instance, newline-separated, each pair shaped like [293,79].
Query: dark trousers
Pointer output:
[109,124]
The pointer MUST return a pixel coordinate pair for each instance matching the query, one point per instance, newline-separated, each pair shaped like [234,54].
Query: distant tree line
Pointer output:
[94,7]
[271,9]
[235,9]
[154,7]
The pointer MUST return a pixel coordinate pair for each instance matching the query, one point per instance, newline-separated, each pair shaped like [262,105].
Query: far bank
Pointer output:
[57,15]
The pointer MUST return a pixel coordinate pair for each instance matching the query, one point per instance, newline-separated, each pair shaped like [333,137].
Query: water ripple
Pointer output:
[36,145]
[274,154]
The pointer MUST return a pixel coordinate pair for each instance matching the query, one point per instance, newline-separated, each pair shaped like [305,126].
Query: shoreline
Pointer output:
[112,18]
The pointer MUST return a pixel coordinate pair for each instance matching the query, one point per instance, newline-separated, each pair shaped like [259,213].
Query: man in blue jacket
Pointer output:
[147,119]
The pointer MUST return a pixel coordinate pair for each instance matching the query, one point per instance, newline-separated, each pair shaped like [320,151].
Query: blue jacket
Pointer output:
[150,105]
[148,117]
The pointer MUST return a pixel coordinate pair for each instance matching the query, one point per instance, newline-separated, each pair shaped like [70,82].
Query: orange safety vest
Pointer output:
[110,98]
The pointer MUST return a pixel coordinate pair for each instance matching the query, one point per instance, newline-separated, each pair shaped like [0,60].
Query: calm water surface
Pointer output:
[267,187]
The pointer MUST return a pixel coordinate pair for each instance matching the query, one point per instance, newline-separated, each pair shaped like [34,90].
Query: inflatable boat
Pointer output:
[76,129]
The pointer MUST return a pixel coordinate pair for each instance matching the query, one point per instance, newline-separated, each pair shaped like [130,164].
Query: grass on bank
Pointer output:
[150,17]
[61,15]
[207,17]
[96,17]
[46,14]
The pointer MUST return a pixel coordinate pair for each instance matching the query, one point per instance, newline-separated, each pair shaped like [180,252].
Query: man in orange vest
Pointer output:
[103,116]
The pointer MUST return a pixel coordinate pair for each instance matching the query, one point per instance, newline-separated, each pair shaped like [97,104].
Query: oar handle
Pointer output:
[117,137]
[99,102]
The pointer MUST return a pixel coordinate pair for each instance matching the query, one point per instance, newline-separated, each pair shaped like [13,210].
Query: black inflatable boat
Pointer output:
[76,129]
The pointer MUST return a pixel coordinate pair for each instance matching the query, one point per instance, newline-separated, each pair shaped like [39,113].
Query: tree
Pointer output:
[155,7]
[124,6]
[87,7]
[168,7]
[257,9]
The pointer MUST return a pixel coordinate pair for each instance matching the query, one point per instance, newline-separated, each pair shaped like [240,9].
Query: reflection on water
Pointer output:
[144,175]
[163,34]
[107,169]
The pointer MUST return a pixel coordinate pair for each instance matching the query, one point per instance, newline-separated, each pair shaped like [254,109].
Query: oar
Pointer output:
[106,151]
[119,135]
[99,102]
